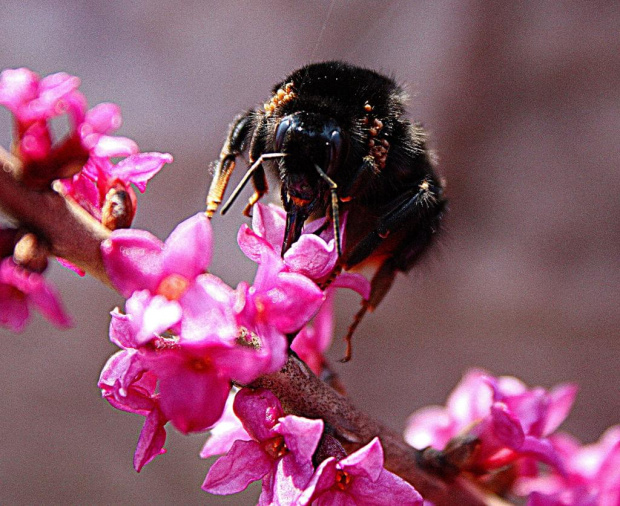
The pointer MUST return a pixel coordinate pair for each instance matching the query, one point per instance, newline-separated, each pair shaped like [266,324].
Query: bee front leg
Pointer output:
[418,215]
[239,131]
[259,181]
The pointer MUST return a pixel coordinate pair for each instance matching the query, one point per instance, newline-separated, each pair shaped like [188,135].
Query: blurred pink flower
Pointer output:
[19,289]
[359,478]
[33,101]
[510,420]
[280,451]
[592,474]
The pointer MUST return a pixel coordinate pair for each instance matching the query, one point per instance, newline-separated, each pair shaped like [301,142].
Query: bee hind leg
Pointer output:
[418,215]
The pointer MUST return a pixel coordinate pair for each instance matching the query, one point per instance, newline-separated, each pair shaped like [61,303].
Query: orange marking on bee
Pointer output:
[299,202]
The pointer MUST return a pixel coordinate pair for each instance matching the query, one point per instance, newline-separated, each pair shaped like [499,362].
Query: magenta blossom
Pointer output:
[359,478]
[592,476]
[137,260]
[280,451]
[128,387]
[19,289]
[510,420]
[90,186]
[278,298]
[193,370]
[314,254]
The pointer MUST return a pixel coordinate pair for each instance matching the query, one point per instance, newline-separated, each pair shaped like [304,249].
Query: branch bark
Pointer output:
[70,231]
[302,393]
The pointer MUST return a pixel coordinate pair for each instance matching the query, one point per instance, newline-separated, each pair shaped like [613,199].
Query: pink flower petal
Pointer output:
[353,281]
[301,435]
[367,461]
[192,397]
[189,248]
[14,312]
[259,411]
[311,256]
[151,441]
[151,315]
[140,168]
[225,432]
[269,222]
[133,260]
[108,146]
[252,244]
[17,87]
[245,463]
[430,426]
[562,399]
[104,118]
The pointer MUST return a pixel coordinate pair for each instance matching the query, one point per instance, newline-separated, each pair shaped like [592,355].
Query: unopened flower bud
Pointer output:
[31,253]
[118,209]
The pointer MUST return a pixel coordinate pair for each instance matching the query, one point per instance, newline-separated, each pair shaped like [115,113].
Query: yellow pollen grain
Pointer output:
[173,286]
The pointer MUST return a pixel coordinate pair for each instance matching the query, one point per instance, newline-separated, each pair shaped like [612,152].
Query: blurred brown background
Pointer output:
[523,106]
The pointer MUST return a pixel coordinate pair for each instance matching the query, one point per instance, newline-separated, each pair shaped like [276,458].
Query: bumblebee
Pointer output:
[336,137]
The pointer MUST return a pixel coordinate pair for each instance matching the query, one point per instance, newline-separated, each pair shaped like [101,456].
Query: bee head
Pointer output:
[308,140]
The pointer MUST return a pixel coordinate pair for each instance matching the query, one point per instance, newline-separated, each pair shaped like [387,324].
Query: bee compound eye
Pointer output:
[283,127]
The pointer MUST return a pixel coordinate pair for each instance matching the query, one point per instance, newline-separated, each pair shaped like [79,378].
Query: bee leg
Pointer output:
[259,181]
[234,145]
[379,286]
[420,215]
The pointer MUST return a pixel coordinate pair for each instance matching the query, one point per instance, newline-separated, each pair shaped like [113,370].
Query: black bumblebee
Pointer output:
[336,137]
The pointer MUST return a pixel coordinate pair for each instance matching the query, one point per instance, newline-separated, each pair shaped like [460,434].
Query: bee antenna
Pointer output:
[248,174]
[335,209]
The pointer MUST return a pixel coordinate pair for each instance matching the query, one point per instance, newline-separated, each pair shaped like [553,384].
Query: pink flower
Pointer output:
[510,420]
[285,300]
[192,331]
[19,289]
[195,361]
[359,478]
[314,255]
[592,476]
[30,98]
[90,186]
[127,386]
[280,452]
[137,260]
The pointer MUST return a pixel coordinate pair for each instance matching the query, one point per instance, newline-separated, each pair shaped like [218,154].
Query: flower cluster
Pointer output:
[81,163]
[262,443]
[517,448]
[186,336]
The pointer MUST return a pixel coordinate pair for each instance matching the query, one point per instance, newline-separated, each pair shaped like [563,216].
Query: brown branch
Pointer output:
[76,236]
[304,394]
[71,232]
